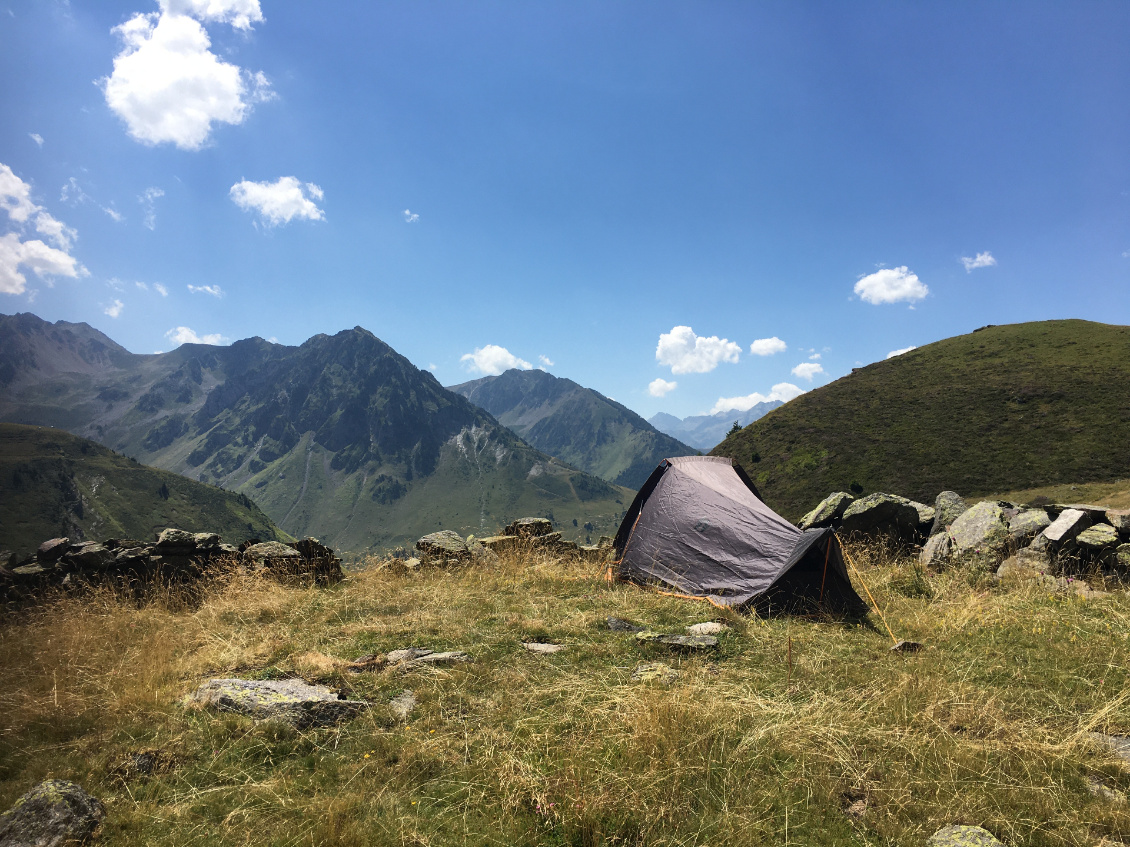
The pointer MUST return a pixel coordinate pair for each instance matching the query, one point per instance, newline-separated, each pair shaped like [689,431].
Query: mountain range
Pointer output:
[1003,408]
[341,437]
[705,432]
[578,425]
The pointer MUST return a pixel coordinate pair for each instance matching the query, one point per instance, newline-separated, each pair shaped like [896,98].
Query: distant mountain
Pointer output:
[577,425]
[53,483]
[1004,408]
[341,438]
[704,432]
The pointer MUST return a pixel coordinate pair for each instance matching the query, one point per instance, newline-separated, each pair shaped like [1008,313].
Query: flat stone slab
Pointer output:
[403,704]
[290,700]
[1067,526]
[963,836]
[678,642]
[707,628]
[55,812]
[621,625]
[654,672]
[542,647]
[415,656]
[906,647]
[1097,537]
[1119,745]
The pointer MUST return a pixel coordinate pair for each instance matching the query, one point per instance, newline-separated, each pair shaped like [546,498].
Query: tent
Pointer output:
[699,528]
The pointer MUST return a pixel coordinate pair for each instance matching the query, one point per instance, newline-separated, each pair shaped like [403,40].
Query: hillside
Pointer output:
[341,438]
[578,425]
[704,432]
[53,483]
[1000,409]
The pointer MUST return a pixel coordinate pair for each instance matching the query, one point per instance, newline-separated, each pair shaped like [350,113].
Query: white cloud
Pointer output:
[56,231]
[768,346]
[815,357]
[546,361]
[894,353]
[807,370]
[183,335]
[659,387]
[114,309]
[214,290]
[410,217]
[783,391]
[36,137]
[891,285]
[280,201]
[116,216]
[493,360]
[39,258]
[148,201]
[684,352]
[160,289]
[168,86]
[981,260]
[15,196]
[432,367]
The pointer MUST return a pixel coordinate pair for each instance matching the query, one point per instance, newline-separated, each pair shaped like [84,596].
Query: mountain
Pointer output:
[341,437]
[703,432]
[53,483]
[576,424]
[1003,408]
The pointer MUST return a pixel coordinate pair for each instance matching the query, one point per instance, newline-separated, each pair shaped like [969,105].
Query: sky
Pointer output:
[688,206]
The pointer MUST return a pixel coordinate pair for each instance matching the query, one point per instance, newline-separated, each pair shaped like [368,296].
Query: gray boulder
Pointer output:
[49,552]
[292,701]
[172,537]
[963,836]
[1026,525]
[947,508]
[1064,529]
[529,528]
[936,551]
[678,642]
[208,540]
[270,551]
[831,508]
[980,535]
[89,556]
[926,515]
[882,515]
[1097,538]
[443,547]
[1120,520]
[654,672]
[52,814]
[1122,556]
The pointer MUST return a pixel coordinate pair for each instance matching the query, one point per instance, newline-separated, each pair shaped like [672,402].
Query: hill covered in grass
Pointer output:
[1004,408]
[800,731]
[578,425]
[54,484]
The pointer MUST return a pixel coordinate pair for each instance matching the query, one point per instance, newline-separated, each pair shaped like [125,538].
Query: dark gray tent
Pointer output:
[698,527]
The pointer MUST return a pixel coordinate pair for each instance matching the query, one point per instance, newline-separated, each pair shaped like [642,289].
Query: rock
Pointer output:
[886,515]
[936,552]
[856,809]
[7,559]
[500,543]
[963,836]
[145,763]
[30,572]
[1097,788]
[289,700]
[1027,525]
[542,647]
[1118,745]
[413,656]
[91,556]
[529,528]
[480,553]
[707,628]
[176,538]
[443,547]
[1094,513]
[206,539]
[52,814]
[906,647]
[1120,520]
[551,540]
[273,555]
[925,517]
[1122,556]
[1097,537]
[595,553]
[403,704]
[654,672]
[621,625]
[678,642]
[369,662]
[1066,527]
[49,552]
[980,535]
[948,507]
[831,508]
[1014,566]
[406,654]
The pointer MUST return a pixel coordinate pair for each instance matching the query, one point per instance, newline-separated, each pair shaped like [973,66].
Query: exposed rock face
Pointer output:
[692,643]
[52,814]
[963,836]
[831,508]
[289,700]
[926,516]
[654,672]
[882,515]
[1064,529]
[936,552]
[1120,520]
[1026,525]
[947,508]
[1097,537]
[50,552]
[981,533]
[529,528]
[443,546]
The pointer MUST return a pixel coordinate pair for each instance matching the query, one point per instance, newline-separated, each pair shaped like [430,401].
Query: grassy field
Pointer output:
[1113,495]
[796,731]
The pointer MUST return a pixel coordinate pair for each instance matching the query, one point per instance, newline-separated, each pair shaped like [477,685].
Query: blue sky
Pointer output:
[687,206]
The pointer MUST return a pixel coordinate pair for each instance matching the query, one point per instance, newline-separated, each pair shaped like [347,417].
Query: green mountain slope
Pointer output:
[1003,408]
[53,483]
[578,425]
[341,437]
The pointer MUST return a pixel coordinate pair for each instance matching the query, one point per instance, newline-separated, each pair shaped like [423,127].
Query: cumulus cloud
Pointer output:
[546,361]
[148,200]
[279,202]
[981,260]
[783,391]
[36,137]
[807,370]
[114,309]
[214,290]
[183,335]
[891,285]
[167,84]
[493,360]
[410,217]
[660,387]
[894,353]
[34,255]
[684,352]
[767,346]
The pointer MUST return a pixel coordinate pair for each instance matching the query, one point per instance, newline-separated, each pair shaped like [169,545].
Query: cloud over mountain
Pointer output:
[493,360]
[684,352]
[891,285]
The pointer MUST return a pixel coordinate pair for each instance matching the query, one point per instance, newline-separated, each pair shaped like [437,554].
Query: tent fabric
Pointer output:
[698,527]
